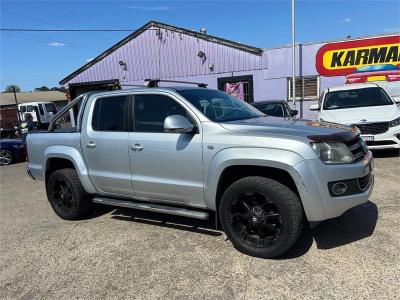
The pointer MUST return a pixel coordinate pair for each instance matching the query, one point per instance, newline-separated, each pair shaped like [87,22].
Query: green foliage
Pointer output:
[10,88]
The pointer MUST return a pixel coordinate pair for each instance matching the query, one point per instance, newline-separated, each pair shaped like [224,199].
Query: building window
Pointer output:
[238,86]
[306,87]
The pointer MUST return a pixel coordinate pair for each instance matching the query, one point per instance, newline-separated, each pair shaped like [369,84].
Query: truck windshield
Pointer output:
[50,107]
[373,96]
[219,106]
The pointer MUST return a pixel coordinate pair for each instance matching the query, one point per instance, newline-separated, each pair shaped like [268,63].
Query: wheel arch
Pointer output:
[281,165]
[58,157]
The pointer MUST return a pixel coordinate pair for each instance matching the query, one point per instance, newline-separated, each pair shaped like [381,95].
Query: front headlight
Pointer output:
[395,122]
[333,153]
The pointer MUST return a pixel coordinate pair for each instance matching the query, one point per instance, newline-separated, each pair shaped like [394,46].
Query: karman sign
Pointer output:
[367,55]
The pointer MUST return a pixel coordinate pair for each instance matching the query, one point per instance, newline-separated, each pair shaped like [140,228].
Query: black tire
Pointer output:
[261,217]
[67,196]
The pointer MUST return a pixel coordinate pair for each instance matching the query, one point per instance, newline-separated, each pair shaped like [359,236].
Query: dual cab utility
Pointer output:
[190,151]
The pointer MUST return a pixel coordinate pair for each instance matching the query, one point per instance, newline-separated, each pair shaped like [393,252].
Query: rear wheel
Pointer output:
[261,216]
[67,195]
[6,157]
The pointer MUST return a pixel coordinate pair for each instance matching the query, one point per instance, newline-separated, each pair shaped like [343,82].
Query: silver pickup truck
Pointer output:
[196,152]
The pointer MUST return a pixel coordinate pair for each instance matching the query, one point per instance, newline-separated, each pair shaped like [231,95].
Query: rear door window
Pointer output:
[110,114]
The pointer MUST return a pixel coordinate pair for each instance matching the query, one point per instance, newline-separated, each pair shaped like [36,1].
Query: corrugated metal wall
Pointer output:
[167,54]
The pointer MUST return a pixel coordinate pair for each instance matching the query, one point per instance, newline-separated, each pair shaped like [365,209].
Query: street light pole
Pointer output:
[293,57]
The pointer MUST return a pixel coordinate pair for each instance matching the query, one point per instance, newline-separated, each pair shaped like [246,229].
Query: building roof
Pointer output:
[24,97]
[133,35]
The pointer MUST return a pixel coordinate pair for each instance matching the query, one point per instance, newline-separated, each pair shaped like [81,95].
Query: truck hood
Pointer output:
[367,114]
[301,128]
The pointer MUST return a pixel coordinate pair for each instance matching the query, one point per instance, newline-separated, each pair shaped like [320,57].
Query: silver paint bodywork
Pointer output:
[184,169]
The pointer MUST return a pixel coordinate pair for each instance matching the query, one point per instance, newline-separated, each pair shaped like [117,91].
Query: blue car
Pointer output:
[11,151]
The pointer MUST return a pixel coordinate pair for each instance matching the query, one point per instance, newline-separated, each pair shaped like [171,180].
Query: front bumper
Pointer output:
[388,140]
[317,201]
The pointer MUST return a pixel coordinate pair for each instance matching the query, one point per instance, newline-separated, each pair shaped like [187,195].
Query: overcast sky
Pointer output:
[34,59]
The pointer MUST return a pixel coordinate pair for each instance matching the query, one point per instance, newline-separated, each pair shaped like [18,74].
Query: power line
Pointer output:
[50,23]
[47,41]
[67,30]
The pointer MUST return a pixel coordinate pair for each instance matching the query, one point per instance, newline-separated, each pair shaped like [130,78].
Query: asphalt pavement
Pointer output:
[130,254]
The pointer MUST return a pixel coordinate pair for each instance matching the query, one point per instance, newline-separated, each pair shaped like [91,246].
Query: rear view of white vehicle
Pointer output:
[42,112]
[366,106]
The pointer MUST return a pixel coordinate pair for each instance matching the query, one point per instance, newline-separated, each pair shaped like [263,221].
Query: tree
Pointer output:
[10,88]
[60,89]
[43,88]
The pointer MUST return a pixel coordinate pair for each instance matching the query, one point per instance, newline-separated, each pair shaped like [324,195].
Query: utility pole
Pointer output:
[293,57]
[16,103]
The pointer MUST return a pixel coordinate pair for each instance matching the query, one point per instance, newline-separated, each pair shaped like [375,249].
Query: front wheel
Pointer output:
[66,195]
[261,217]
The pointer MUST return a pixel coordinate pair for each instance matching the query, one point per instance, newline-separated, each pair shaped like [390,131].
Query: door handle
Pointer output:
[91,144]
[137,147]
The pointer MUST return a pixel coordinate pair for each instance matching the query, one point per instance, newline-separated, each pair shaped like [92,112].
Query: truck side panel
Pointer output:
[43,146]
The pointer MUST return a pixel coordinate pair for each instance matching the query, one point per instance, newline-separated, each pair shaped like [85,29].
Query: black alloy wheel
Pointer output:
[256,219]
[66,195]
[261,216]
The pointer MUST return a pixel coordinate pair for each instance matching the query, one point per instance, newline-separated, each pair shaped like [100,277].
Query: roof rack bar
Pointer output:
[137,85]
[154,82]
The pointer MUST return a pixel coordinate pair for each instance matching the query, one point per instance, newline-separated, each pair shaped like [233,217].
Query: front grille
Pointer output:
[373,128]
[364,182]
[356,147]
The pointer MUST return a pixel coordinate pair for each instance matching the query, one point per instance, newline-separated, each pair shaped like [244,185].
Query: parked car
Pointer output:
[275,108]
[194,152]
[42,112]
[386,72]
[366,106]
[11,151]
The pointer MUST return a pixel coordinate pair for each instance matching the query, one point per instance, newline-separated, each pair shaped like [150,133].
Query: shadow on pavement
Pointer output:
[356,224]
[385,153]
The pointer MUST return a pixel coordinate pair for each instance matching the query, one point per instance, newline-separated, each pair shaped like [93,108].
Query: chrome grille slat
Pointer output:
[356,148]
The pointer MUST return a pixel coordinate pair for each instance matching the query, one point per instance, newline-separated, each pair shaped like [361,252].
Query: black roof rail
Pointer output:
[154,82]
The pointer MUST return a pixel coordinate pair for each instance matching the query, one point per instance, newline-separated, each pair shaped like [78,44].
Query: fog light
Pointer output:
[339,188]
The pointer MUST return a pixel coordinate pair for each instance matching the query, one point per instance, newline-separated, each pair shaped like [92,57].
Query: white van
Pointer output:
[42,112]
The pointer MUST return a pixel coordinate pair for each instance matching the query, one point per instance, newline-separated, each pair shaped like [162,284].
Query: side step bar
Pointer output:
[172,210]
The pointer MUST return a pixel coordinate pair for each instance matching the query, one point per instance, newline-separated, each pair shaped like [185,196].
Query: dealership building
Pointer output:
[161,51]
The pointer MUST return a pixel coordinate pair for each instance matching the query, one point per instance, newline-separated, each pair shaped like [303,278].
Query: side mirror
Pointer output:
[294,112]
[314,107]
[396,99]
[178,124]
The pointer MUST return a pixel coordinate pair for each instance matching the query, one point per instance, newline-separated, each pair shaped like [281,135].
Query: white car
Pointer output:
[367,106]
